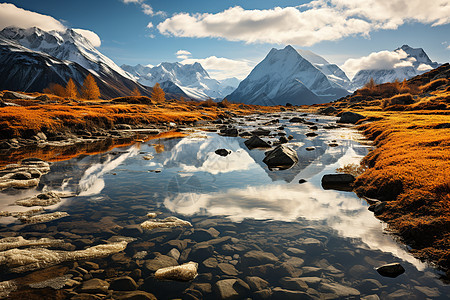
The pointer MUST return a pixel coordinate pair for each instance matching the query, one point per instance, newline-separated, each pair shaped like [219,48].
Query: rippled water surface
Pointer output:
[326,238]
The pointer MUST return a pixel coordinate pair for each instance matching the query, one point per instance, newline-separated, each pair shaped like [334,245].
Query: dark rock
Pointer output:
[229,132]
[311,134]
[42,98]
[134,295]
[222,152]
[261,132]
[262,294]
[228,269]
[310,148]
[201,252]
[328,110]
[256,142]
[283,140]
[230,289]
[263,271]
[290,137]
[333,144]
[314,127]
[302,181]
[210,263]
[296,120]
[131,230]
[13,96]
[94,286]
[391,270]
[293,284]
[340,182]
[282,156]
[341,291]
[350,117]
[123,284]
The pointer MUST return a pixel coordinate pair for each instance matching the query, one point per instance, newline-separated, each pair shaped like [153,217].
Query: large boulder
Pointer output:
[341,182]
[281,157]
[256,142]
[15,95]
[350,117]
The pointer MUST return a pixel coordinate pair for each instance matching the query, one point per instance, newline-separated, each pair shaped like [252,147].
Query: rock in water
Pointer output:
[166,223]
[256,142]
[184,272]
[341,182]
[282,157]
[391,270]
[350,117]
[222,152]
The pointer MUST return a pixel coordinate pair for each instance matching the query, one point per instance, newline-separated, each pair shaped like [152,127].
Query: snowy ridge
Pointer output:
[419,60]
[286,76]
[192,79]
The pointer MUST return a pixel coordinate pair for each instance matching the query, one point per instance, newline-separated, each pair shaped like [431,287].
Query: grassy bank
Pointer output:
[59,114]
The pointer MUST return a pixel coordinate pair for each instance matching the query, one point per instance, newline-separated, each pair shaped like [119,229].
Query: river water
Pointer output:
[327,239]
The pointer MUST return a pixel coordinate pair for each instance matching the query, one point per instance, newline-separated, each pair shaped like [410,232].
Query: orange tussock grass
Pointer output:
[410,168]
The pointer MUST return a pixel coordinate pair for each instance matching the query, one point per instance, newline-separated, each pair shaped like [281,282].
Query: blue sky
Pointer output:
[230,37]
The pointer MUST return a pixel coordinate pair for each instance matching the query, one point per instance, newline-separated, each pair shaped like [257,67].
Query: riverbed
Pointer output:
[256,231]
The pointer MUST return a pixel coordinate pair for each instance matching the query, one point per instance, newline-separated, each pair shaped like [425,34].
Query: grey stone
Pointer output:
[255,257]
[338,289]
[256,142]
[161,261]
[226,290]
[293,283]
[283,294]
[256,283]
[228,269]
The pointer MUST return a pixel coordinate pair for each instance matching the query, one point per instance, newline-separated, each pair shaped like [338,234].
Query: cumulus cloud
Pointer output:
[378,61]
[11,15]
[424,67]
[90,36]
[222,68]
[183,54]
[306,25]
[150,25]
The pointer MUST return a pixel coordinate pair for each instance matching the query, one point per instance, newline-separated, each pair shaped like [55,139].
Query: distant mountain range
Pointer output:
[31,59]
[192,79]
[416,57]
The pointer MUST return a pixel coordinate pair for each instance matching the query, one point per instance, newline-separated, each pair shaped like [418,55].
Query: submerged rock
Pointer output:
[165,223]
[23,175]
[282,156]
[184,272]
[391,270]
[43,218]
[55,283]
[261,132]
[18,241]
[6,287]
[24,260]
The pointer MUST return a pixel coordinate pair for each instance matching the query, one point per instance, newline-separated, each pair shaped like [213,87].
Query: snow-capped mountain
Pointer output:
[418,61]
[332,71]
[286,76]
[192,79]
[31,59]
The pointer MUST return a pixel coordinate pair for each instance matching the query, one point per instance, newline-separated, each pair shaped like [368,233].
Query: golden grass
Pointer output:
[410,168]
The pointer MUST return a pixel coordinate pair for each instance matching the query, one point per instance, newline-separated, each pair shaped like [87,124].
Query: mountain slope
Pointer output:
[418,61]
[285,76]
[192,79]
[25,69]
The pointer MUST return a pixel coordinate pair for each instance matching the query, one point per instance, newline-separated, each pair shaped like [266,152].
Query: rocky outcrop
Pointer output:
[281,157]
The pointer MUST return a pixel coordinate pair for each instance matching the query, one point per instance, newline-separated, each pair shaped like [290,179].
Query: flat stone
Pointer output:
[427,291]
[295,251]
[228,269]
[256,283]
[161,261]
[296,262]
[283,294]
[210,263]
[339,290]
[123,284]
[255,257]
[134,295]
[174,253]
[225,290]
[94,286]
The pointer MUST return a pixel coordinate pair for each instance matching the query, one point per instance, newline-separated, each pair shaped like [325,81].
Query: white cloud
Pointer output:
[424,67]
[376,60]
[131,1]
[146,8]
[222,68]
[321,20]
[150,25]
[90,36]
[11,15]
[183,54]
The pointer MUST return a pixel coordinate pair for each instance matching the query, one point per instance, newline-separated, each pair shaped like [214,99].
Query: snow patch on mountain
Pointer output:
[192,79]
